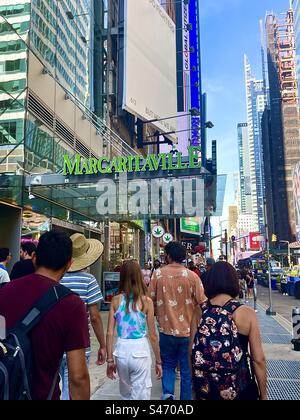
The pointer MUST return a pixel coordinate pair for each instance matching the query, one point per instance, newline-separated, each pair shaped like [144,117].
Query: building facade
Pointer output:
[245,201]
[232,220]
[46,104]
[296,10]
[256,103]
[284,133]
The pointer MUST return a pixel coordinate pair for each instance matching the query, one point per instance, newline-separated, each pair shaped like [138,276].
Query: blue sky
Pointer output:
[230,28]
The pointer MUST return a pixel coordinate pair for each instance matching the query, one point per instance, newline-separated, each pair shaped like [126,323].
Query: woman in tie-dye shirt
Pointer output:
[132,314]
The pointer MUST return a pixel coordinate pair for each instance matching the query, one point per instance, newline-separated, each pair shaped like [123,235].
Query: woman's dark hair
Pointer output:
[176,251]
[54,250]
[222,279]
[4,254]
[28,247]
[132,284]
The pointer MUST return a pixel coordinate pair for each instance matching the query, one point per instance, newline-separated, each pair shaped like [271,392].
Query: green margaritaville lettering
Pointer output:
[164,161]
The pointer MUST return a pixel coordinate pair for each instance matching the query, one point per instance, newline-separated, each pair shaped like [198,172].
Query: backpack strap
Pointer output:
[50,299]
[232,305]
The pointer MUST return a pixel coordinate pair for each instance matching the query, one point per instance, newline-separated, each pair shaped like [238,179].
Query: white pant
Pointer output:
[133,359]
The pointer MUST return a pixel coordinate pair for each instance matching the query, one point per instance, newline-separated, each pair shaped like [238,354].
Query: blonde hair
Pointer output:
[132,284]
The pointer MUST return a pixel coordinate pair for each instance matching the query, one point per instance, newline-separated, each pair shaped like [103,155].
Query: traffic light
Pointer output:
[274,238]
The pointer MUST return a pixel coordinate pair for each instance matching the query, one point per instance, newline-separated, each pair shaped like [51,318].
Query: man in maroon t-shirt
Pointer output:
[64,329]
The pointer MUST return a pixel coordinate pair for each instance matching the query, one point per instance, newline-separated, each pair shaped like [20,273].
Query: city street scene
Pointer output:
[150,202]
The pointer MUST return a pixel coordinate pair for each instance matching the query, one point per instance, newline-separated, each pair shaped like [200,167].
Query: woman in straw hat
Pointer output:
[132,312]
[85,253]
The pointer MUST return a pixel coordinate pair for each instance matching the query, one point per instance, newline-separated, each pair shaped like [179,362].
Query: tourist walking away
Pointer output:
[132,313]
[24,267]
[156,266]
[209,264]
[193,268]
[146,274]
[49,320]
[85,253]
[175,291]
[227,357]
[5,257]
[250,283]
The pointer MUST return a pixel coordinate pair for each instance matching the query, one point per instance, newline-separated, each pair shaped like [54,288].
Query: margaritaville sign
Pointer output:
[163,161]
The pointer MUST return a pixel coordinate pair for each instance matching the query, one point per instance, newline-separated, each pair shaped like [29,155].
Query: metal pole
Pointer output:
[226,245]
[270,311]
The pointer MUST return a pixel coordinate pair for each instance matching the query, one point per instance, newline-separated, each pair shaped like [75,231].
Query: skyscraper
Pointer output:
[62,36]
[245,204]
[284,133]
[296,10]
[256,103]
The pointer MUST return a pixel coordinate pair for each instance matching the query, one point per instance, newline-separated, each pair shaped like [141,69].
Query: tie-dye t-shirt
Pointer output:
[132,325]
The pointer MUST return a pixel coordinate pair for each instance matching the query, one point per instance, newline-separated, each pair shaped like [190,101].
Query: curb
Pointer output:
[279,318]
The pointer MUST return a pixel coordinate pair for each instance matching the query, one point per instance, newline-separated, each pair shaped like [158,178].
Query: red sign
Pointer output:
[253,242]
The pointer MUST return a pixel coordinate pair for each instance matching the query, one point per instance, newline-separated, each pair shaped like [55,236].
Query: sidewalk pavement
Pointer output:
[283,362]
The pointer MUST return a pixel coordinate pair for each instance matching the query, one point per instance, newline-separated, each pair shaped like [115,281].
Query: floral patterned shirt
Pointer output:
[176,291]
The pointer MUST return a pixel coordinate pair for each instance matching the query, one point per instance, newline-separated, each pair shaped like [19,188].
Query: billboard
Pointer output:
[183,79]
[254,243]
[192,225]
[195,63]
[149,80]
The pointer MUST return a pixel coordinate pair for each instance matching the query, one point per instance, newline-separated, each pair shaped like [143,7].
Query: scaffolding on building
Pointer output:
[286,58]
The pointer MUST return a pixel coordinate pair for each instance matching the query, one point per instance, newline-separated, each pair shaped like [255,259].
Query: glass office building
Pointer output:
[46,99]
[256,104]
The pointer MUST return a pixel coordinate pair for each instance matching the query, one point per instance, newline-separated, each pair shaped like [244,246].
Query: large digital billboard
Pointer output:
[149,85]
[195,62]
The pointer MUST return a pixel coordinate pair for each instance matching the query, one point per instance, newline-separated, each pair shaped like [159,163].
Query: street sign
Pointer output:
[158,232]
[167,238]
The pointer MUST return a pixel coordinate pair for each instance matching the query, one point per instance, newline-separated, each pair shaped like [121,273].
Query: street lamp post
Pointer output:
[270,311]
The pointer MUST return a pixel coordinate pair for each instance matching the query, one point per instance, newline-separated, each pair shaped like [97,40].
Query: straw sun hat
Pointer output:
[85,252]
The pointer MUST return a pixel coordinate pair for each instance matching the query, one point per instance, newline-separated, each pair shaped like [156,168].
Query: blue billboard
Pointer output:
[195,63]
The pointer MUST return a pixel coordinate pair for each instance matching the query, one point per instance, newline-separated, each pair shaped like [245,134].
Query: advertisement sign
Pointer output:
[167,238]
[195,62]
[110,286]
[192,225]
[150,83]
[158,231]
[254,243]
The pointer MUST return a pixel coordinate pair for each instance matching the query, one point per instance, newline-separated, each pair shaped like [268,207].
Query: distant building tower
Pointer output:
[245,202]
[256,104]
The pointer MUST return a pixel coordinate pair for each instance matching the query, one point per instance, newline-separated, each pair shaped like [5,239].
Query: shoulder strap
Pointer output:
[232,306]
[51,298]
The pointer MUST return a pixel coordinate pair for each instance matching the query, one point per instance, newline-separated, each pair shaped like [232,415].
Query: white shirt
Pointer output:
[4,277]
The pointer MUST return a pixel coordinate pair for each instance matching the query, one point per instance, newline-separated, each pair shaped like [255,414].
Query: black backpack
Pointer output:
[221,370]
[15,349]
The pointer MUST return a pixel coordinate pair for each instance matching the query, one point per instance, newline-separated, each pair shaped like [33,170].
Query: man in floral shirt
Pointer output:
[175,292]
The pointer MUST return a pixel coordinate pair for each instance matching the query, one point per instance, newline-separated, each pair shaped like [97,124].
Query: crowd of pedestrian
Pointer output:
[191,318]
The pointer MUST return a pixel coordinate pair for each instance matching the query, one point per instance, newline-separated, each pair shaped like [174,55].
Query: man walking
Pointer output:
[5,257]
[62,330]
[85,253]
[210,262]
[175,291]
[24,267]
